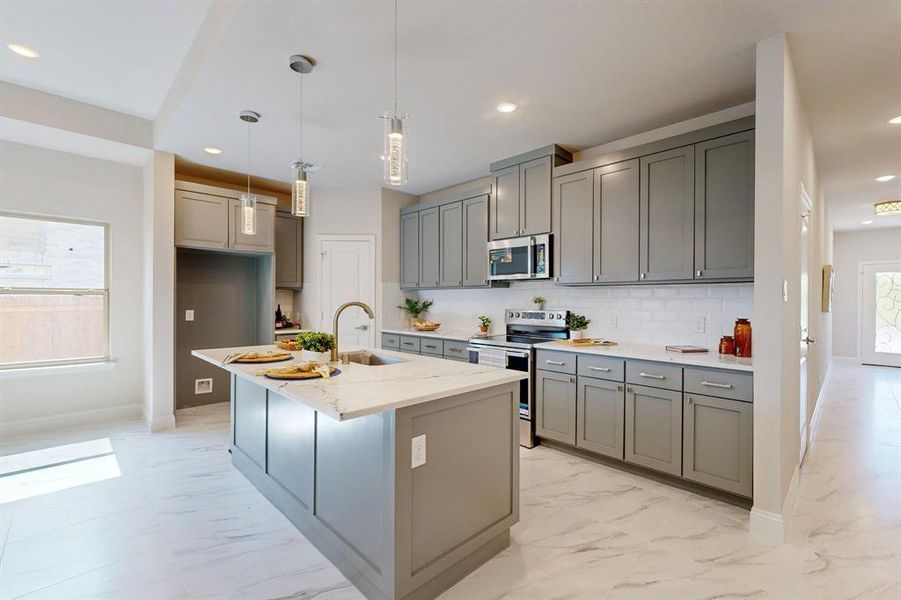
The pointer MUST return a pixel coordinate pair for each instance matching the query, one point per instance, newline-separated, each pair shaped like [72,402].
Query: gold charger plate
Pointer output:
[301,375]
[265,358]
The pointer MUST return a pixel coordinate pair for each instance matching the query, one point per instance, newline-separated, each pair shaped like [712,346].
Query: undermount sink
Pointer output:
[372,360]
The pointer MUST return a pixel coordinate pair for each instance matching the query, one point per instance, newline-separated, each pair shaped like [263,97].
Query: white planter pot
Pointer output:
[322,357]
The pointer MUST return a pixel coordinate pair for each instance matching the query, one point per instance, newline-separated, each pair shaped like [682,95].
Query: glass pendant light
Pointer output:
[394,154]
[300,191]
[248,200]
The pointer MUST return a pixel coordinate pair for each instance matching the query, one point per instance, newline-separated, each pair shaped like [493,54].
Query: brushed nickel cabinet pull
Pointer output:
[602,369]
[559,363]
[691,401]
[652,376]
[641,276]
[725,386]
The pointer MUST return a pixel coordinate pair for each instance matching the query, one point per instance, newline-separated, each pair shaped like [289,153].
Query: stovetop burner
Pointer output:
[525,328]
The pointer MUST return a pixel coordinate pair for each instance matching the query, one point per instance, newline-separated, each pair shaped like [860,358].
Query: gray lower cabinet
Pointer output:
[288,251]
[616,222]
[555,406]
[475,241]
[573,209]
[450,218]
[290,446]
[249,419]
[724,207]
[653,433]
[429,248]
[666,233]
[535,196]
[600,414]
[504,217]
[717,443]
[409,250]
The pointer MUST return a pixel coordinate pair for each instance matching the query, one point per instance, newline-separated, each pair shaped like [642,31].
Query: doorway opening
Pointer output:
[880,314]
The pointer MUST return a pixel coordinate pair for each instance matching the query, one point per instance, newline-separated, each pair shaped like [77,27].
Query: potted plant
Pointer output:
[315,345]
[577,323]
[539,302]
[484,323]
[416,308]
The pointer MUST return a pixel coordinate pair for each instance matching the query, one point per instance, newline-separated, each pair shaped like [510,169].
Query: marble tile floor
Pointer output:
[170,518]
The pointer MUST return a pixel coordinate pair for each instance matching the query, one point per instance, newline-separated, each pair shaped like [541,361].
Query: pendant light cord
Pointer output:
[301,117]
[248,159]
[395,58]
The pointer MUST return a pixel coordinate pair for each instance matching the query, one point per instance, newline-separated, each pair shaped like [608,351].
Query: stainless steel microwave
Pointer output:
[526,257]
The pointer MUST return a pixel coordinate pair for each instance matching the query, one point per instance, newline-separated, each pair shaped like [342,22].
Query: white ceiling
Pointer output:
[583,73]
[115,54]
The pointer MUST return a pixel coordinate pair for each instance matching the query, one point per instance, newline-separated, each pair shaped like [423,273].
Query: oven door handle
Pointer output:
[518,354]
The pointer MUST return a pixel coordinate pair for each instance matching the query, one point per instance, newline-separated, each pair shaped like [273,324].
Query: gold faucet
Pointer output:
[338,312]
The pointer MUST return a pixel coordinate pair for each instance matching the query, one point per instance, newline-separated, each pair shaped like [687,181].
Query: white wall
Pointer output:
[850,249]
[40,181]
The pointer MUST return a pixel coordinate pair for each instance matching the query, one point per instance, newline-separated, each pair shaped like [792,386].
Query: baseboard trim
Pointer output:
[767,524]
[160,422]
[68,420]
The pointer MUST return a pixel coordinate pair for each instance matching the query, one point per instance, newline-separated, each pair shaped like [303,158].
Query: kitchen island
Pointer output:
[337,457]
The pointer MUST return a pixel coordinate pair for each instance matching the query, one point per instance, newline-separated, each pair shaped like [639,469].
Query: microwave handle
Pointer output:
[531,256]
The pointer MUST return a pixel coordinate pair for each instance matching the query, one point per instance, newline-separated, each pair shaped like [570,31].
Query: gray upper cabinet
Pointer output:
[263,239]
[475,241]
[573,208]
[653,437]
[600,407]
[429,248]
[409,250]
[666,234]
[555,406]
[451,255]
[288,251]
[724,208]
[717,443]
[505,204]
[616,222]
[535,196]
[201,220]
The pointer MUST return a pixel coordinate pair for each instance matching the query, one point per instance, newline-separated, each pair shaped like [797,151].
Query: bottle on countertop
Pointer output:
[279,317]
[742,338]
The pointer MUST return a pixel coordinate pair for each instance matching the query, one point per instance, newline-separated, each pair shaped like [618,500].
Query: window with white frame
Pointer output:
[54,291]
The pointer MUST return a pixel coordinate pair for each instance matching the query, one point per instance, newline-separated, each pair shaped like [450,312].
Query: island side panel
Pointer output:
[290,446]
[455,511]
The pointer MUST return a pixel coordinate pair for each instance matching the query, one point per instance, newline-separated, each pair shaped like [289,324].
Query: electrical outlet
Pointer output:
[417,457]
[698,325]
[189,314]
[785,290]
[203,386]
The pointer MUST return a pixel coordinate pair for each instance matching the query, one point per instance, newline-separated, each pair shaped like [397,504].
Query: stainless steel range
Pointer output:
[514,350]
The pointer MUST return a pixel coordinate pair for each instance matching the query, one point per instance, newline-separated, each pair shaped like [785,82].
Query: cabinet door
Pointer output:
[475,241]
[573,221]
[600,416]
[654,428]
[201,220]
[288,251]
[289,446]
[555,406]
[429,248]
[535,196]
[409,250]
[451,256]
[504,220]
[717,446]
[264,238]
[724,207]
[667,215]
[249,419]
[616,222]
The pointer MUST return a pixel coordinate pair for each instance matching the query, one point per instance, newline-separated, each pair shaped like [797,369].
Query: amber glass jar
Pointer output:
[742,338]
[727,345]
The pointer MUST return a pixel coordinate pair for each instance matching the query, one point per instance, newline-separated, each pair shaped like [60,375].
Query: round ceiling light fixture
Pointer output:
[887,207]
[506,107]
[212,150]
[895,121]
[23,50]
[884,178]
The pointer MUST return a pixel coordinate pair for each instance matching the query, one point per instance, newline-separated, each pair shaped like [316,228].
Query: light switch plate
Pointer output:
[785,290]
[189,314]
[417,455]
[698,325]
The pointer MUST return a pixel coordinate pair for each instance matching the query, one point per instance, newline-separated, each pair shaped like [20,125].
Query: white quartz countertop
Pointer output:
[361,390]
[659,354]
[446,334]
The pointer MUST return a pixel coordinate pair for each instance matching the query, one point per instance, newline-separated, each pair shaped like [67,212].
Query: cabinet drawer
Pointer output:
[431,346]
[456,350]
[390,341]
[409,343]
[561,362]
[602,367]
[717,382]
[659,375]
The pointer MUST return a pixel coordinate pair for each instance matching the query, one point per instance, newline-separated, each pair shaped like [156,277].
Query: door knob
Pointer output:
[361,327]
[807,340]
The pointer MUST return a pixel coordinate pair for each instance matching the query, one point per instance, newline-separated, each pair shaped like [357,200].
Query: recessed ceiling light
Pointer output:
[896,120]
[867,222]
[506,107]
[884,178]
[212,150]
[23,50]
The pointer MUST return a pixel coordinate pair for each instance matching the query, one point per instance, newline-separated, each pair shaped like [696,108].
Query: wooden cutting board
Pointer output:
[266,358]
[302,375]
[585,343]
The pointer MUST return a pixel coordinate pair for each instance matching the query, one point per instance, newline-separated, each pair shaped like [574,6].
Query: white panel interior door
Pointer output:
[804,305]
[880,323]
[347,267]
